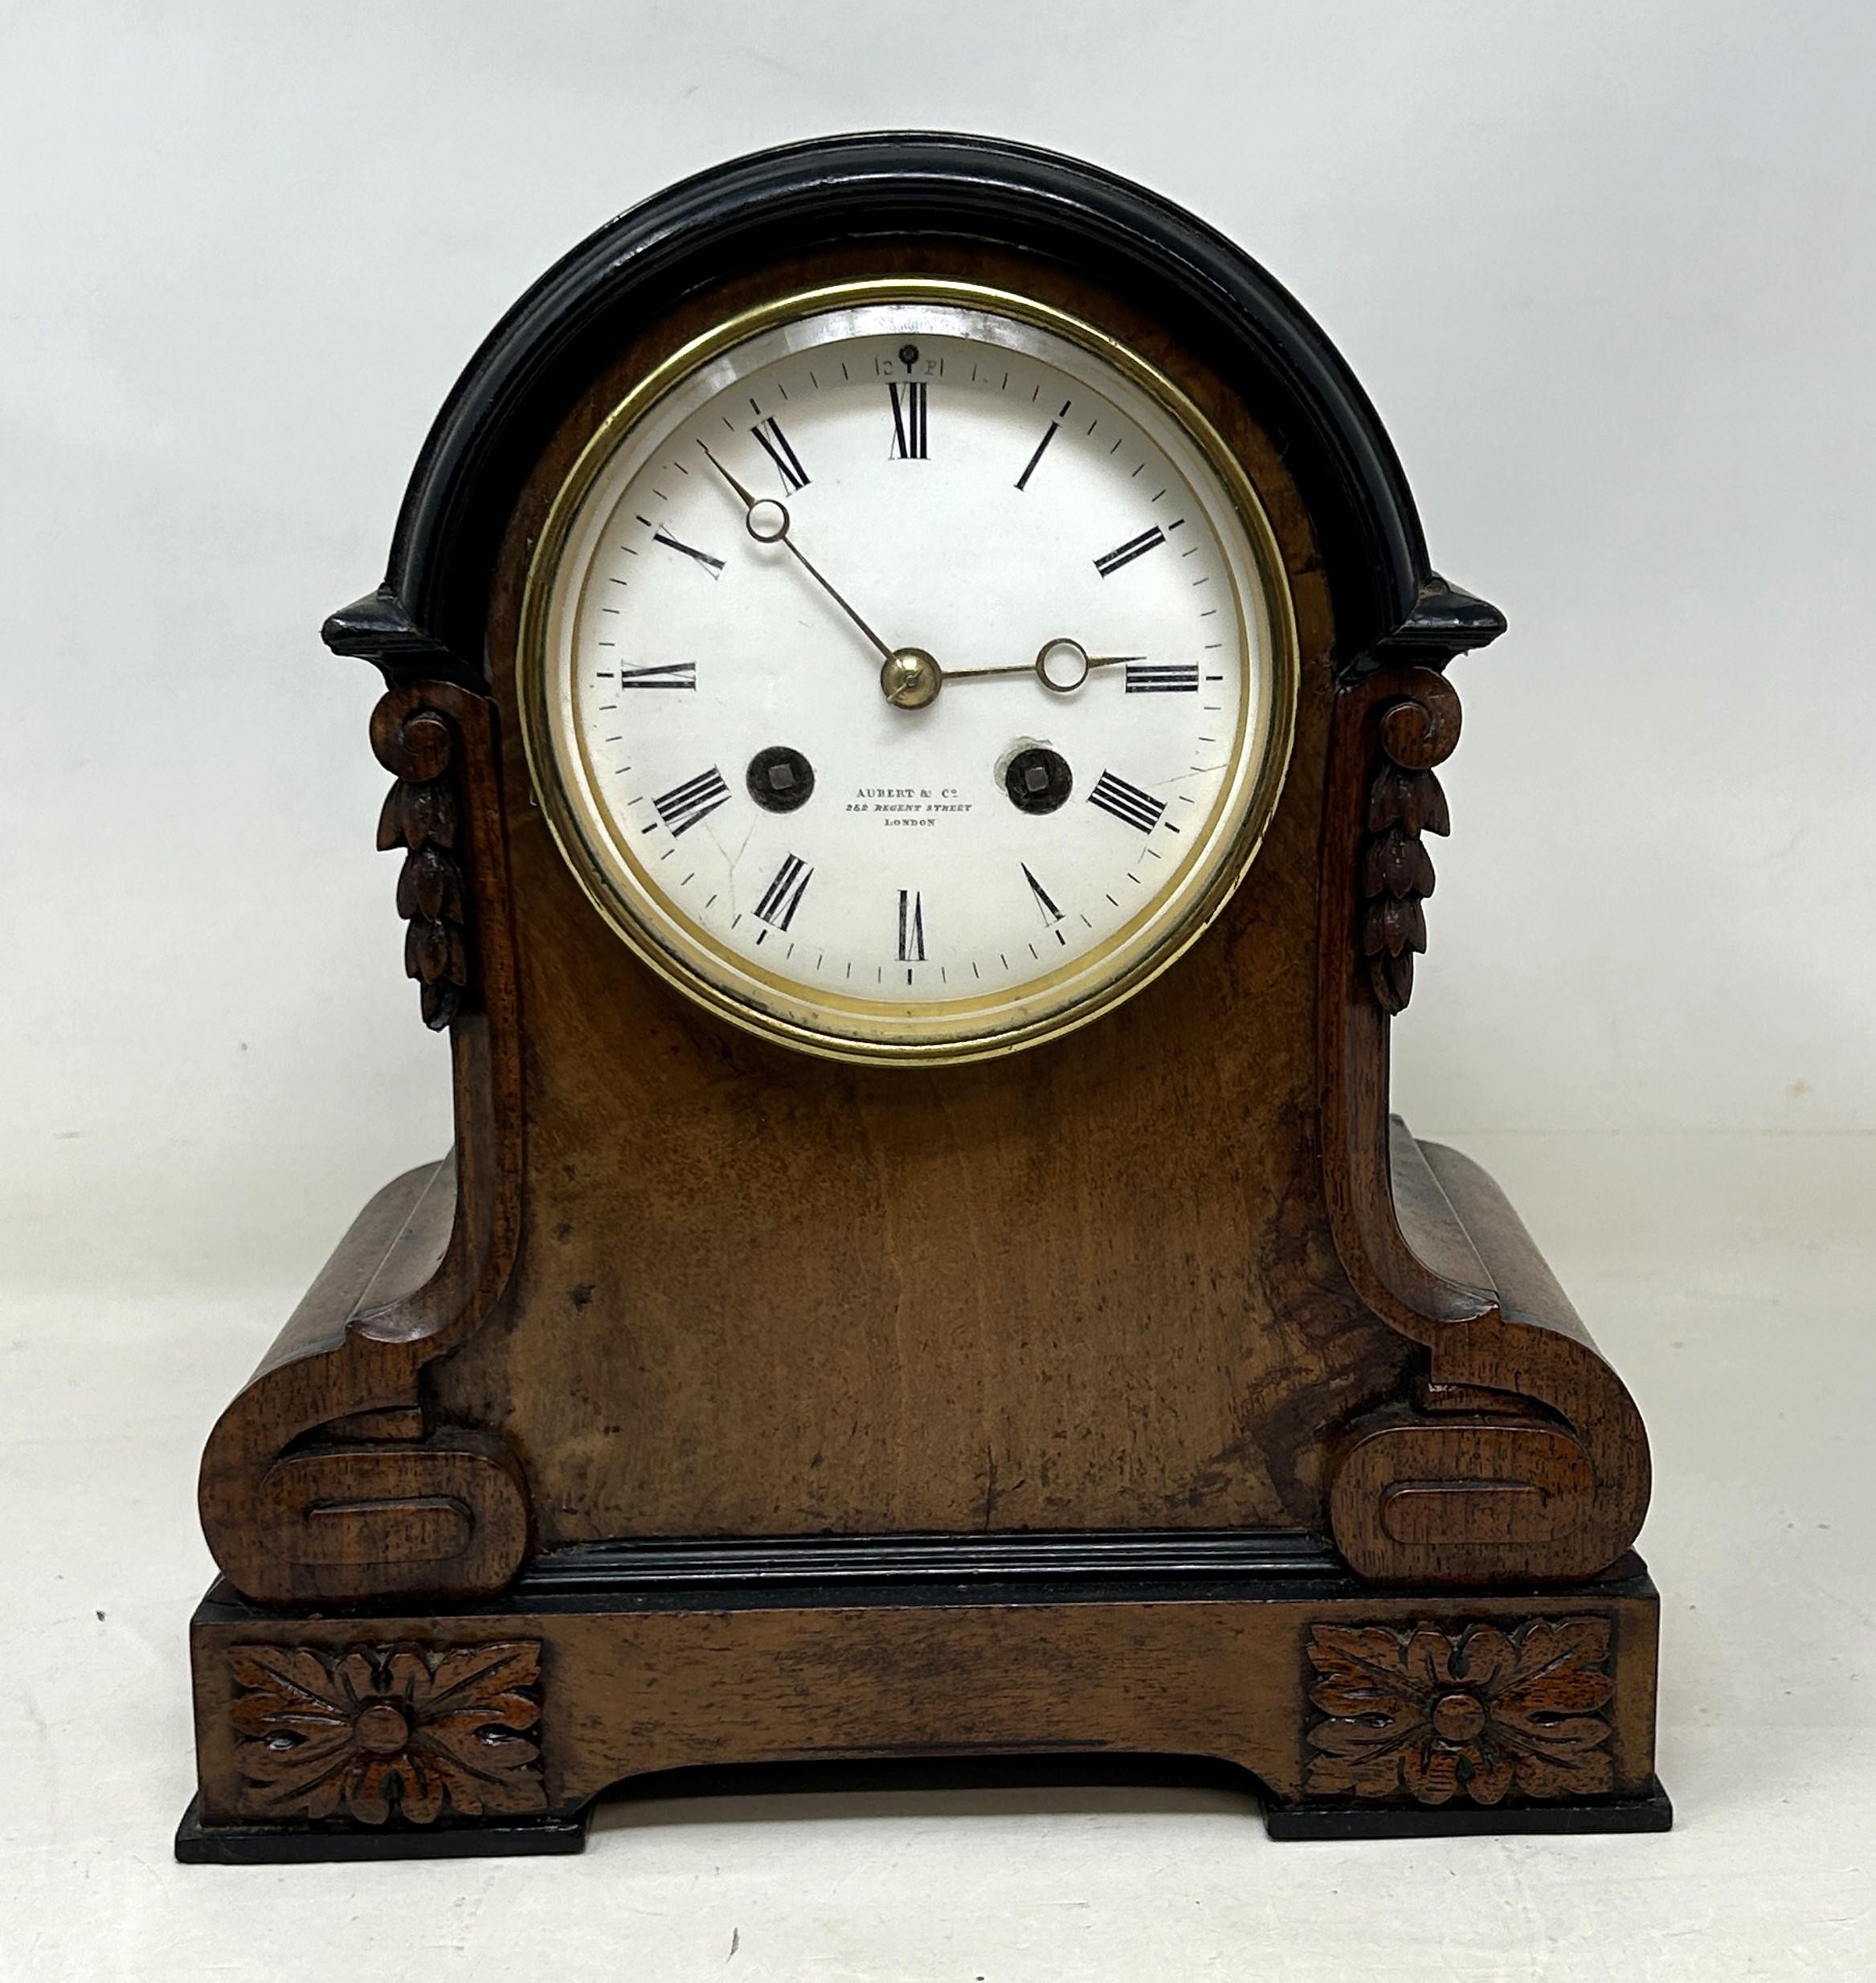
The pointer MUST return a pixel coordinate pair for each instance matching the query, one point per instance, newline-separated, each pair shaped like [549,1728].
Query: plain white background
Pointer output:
[1607,271]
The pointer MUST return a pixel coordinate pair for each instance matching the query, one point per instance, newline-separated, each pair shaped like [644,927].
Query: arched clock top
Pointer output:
[429,617]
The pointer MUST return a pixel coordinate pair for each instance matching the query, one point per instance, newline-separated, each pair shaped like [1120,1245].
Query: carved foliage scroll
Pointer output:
[1405,802]
[423,815]
[373,1733]
[1479,1714]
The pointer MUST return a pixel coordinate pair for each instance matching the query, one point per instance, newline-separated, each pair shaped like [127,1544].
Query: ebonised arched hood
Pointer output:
[427,617]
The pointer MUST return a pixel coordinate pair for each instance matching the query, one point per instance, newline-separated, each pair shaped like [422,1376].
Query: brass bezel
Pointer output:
[621,913]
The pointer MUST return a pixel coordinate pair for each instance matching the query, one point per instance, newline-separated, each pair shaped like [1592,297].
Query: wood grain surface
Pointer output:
[1176,1270]
[1090,1285]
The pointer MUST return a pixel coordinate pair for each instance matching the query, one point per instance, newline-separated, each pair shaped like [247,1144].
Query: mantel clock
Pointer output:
[914,688]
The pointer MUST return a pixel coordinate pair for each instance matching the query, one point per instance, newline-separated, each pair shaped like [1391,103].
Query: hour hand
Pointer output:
[1061,664]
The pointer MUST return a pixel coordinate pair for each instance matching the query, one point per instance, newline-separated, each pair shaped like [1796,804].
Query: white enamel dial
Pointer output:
[908,678]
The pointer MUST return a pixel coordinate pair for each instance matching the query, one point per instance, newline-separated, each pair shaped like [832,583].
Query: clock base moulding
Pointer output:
[1151,1389]
[494,1729]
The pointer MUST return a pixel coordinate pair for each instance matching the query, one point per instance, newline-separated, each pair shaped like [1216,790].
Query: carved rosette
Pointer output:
[421,815]
[1479,1714]
[371,1733]
[1405,802]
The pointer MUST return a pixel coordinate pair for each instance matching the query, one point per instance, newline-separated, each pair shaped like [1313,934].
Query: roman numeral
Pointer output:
[696,798]
[782,897]
[908,420]
[1111,562]
[787,462]
[1054,427]
[1126,802]
[1050,913]
[1162,677]
[911,927]
[660,675]
[713,565]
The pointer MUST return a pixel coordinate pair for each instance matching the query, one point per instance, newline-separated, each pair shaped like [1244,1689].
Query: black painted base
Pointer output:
[1652,1813]
[270,1845]
[198,1844]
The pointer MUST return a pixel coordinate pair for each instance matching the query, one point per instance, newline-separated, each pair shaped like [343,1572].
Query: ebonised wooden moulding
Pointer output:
[915,691]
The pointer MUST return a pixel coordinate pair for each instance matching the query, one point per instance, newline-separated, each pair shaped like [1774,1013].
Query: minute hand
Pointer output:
[768,522]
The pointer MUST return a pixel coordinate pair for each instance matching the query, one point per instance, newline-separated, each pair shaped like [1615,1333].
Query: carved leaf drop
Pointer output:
[420,814]
[1404,802]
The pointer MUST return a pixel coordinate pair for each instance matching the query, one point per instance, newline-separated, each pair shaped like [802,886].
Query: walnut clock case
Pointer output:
[915,689]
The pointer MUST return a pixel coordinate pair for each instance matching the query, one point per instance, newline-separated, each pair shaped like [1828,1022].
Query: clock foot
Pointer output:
[198,1844]
[1348,1820]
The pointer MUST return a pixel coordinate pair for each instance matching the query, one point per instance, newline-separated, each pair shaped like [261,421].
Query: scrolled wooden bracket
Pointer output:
[1522,1454]
[327,1480]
